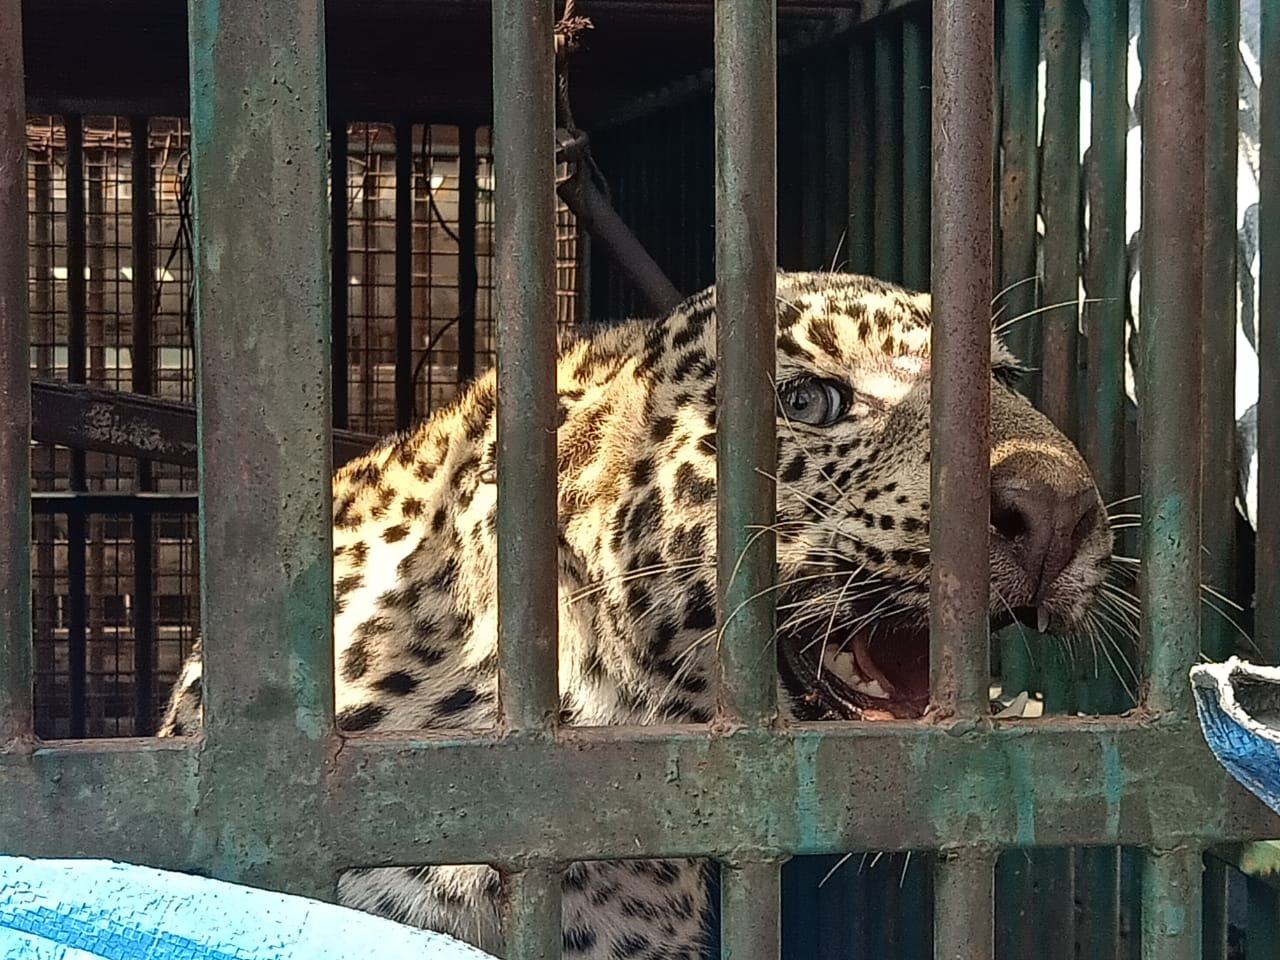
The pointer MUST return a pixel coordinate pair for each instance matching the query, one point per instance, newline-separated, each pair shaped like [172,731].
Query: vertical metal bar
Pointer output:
[1060,197]
[1216,906]
[404,275]
[468,279]
[746,311]
[140,213]
[836,159]
[340,270]
[1171,892]
[1222,58]
[964,896]
[916,160]
[813,153]
[750,911]
[77,356]
[960,428]
[1172,299]
[265,519]
[1020,179]
[888,152]
[524,260]
[862,197]
[1105,275]
[1262,936]
[15,389]
[1267,576]
[533,925]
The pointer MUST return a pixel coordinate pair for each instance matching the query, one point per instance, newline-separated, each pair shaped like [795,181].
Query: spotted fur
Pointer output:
[414,563]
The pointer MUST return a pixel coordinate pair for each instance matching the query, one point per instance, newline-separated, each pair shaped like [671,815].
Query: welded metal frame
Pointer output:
[959,782]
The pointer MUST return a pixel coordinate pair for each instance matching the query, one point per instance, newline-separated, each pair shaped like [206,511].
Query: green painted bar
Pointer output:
[1172,903]
[1172,250]
[960,377]
[1267,597]
[917,169]
[1020,183]
[862,194]
[1060,198]
[532,924]
[964,905]
[1218,520]
[750,911]
[746,311]
[15,389]
[812,789]
[265,521]
[887,133]
[524,268]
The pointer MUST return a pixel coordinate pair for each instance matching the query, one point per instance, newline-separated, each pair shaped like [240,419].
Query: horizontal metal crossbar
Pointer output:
[658,791]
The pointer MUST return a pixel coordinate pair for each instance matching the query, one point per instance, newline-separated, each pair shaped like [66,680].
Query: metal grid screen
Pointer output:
[959,783]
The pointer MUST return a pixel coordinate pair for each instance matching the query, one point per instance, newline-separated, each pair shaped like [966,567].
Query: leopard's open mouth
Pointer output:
[879,674]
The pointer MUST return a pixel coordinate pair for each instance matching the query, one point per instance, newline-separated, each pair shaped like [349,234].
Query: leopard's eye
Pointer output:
[818,403]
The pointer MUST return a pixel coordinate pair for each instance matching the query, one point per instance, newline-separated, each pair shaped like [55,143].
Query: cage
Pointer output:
[115,579]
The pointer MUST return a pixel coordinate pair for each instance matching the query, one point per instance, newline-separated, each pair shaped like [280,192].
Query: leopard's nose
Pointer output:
[1040,528]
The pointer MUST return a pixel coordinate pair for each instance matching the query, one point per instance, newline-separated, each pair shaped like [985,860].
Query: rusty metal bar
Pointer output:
[532,923]
[77,358]
[340,271]
[1267,578]
[1171,895]
[746,312]
[468,277]
[405,394]
[131,425]
[1222,59]
[1060,198]
[1020,180]
[15,393]
[265,524]
[750,911]
[964,905]
[524,262]
[140,213]
[1173,181]
[960,427]
[1105,273]
[888,151]
[1107,782]
[917,170]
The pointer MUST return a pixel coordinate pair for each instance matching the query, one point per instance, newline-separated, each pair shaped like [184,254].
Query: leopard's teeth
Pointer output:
[1042,619]
[844,665]
[871,688]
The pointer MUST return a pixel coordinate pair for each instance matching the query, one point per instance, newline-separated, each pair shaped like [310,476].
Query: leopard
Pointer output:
[414,566]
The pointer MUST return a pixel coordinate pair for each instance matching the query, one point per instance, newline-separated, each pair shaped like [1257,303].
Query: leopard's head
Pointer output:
[853,372]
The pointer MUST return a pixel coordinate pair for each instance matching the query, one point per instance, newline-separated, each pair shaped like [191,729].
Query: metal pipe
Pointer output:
[340,271]
[1267,579]
[1060,199]
[468,277]
[917,171]
[532,923]
[524,264]
[1172,250]
[265,524]
[140,213]
[405,394]
[1171,879]
[1020,181]
[1222,115]
[964,904]
[750,911]
[888,152]
[15,391]
[746,318]
[960,377]
[77,357]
